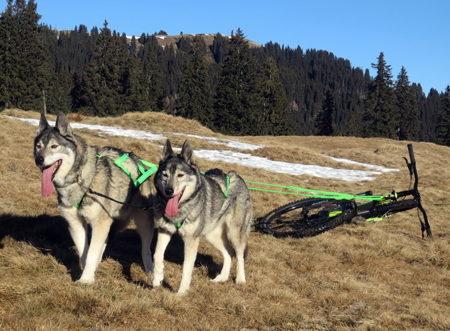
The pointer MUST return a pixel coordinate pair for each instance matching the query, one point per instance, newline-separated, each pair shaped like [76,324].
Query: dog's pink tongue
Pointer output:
[172,206]
[47,174]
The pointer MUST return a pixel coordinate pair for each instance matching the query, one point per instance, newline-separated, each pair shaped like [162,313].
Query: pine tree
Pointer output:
[102,95]
[432,109]
[219,48]
[35,66]
[8,57]
[196,101]
[59,95]
[151,79]
[324,121]
[421,105]
[239,100]
[133,46]
[172,65]
[381,113]
[353,127]
[25,67]
[133,95]
[443,123]
[277,118]
[184,44]
[407,105]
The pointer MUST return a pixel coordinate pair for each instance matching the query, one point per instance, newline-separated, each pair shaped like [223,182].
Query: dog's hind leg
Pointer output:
[78,232]
[161,245]
[238,236]
[218,238]
[145,226]
[100,231]
[239,243]
[190,254]
[240,263]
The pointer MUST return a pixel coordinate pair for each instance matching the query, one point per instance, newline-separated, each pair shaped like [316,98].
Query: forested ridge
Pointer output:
[218,80]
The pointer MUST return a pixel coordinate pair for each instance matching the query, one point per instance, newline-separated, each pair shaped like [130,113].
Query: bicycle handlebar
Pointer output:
[414,192]
[411,154]
[413,169]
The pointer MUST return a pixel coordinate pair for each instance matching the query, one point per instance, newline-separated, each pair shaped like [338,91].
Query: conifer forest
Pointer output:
[226,83]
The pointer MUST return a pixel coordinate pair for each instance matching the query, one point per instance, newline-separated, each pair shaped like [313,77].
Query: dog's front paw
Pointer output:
[157,279]
[86,281]
[220,278]
[240,279]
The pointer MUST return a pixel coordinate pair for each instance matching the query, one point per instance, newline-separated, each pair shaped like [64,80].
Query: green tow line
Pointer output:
[315,193]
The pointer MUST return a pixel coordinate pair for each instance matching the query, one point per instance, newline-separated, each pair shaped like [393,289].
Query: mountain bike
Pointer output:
[312,216]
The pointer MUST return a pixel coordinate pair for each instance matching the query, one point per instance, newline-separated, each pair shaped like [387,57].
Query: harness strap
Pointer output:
[79,202]
[145,174]
[123,203]
[228,186]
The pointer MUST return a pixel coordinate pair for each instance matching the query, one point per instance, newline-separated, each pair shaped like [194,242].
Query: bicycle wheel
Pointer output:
[393,207]
[307,217]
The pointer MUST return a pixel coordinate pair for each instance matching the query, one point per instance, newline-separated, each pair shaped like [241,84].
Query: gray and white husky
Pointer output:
[73,167]
[215,205]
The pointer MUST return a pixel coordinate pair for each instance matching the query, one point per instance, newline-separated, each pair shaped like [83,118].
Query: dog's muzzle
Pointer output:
[39,161]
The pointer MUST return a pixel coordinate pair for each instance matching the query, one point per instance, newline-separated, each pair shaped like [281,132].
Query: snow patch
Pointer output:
[244,159]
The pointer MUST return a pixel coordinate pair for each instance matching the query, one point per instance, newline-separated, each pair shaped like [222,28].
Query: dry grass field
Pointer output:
[360,276]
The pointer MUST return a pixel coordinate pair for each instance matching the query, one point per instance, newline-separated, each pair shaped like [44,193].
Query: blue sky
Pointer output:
[414,34]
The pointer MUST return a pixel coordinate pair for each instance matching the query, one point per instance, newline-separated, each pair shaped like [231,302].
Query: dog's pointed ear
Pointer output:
[62,124]
[187,153]
[167,151]
[43,124]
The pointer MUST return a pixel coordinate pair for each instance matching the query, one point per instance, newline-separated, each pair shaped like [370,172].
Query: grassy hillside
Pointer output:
[359,276]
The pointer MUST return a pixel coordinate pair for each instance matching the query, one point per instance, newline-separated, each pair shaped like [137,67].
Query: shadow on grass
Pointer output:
[50,235]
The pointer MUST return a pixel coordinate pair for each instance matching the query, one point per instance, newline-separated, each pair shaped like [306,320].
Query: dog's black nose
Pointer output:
[39,161]
[169,192]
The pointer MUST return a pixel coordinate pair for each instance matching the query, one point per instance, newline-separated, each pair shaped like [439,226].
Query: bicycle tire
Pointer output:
[391,208]
[306,218]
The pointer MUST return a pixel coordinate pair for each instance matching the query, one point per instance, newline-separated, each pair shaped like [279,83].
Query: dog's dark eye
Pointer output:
[54,146]
[38,146]
[180,175]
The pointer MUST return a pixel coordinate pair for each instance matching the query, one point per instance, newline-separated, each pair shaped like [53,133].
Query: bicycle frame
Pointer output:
[364,209]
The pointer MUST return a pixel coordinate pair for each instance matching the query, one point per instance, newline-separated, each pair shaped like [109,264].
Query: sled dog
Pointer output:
[215,205]
[73,167]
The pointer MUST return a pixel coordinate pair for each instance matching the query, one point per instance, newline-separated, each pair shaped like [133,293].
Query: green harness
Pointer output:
[145,174]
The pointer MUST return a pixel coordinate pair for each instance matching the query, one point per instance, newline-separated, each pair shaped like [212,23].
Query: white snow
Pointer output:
[229,143]
[285,167]
[244,159]
[111,130]
[375,167]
